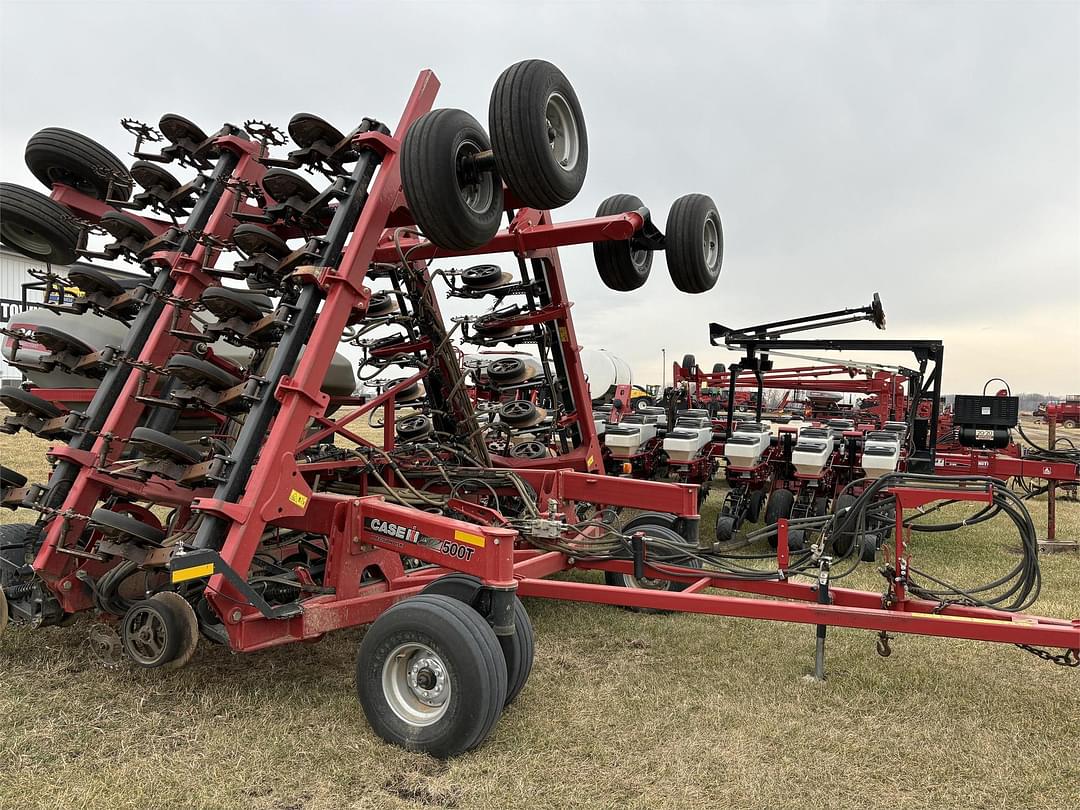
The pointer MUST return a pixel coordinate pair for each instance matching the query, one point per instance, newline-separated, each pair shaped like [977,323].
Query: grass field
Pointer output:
[622,710]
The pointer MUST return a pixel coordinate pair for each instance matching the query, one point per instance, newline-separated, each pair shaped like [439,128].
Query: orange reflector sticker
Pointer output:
[467,537]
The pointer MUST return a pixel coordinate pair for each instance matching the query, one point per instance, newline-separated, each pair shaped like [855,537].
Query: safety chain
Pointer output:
[144,366]
[1065,659]
[86,225]
[177,301]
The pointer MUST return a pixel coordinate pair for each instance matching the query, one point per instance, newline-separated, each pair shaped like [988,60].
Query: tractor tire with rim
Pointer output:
[56,155]
[430,676]
[694,243]
[454,210]
[689,362]
[518,649]
[36,226]
[538,134]
[621,266]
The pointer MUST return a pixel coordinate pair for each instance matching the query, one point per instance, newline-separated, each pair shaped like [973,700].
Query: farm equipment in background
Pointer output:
[272,534]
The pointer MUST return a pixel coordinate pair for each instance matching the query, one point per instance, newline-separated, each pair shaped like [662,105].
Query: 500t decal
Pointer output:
[395,531]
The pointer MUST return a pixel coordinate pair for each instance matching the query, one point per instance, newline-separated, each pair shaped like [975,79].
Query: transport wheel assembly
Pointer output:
[518,649]
[622,266]
[538,134]
[60,156]
[36,226]
[457,202]
[430,676]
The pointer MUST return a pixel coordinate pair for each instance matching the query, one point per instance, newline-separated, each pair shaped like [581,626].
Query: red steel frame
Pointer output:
[367,533]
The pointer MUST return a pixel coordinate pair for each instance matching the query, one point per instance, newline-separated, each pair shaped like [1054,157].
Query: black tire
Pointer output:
[151,175]
[19,401]
[529,451]
[663,532]
[451,210]
[381,303]
[408,393]
[159,631]
[507,370]
[518,649]
[868,547]
[718,368]
[694,243]
[252,239]
[56,155]
[471,660]
[412,428]
[36,226]
[481,275]
[796,540]
[538,134]
[226,303]
[621,266]
[518,412]
[638,404]
[725,528]
[843,542]
[127,525]
[689,362]
[778,506]
[92,280]
[194,371]
[753,512]
[10,478]
[163,445]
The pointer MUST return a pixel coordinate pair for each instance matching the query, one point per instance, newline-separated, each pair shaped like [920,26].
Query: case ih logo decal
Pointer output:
[456,548]
[393,530]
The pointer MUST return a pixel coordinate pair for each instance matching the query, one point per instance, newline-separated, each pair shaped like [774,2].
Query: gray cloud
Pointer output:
[930,152]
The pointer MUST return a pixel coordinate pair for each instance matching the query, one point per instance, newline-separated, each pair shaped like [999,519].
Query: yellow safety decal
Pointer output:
[468,537]
[299,498]
[976,619]
[564,336]
[589,461]
[195,572]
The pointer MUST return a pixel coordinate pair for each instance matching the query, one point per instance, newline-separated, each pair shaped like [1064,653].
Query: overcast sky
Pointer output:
[929,152]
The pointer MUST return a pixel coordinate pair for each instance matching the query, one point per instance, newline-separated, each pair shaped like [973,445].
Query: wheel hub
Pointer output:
[416,684]
[562,131]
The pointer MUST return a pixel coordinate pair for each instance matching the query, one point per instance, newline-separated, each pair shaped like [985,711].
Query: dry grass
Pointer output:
[622,710]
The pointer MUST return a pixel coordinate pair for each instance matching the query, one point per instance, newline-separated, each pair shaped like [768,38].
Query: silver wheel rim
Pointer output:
[562,132]
[478,195]
[26,239]
[710,240]
[648,584]
[639,257]
[416,684]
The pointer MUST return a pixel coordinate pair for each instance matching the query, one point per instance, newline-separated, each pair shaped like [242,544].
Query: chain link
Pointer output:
[1065,659]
